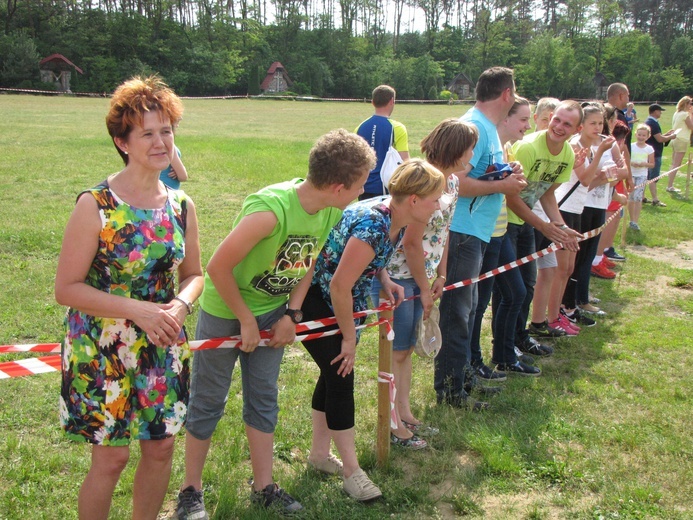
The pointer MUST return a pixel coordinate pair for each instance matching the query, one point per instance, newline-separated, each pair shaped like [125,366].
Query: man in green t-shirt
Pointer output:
[547,160]
[257,280]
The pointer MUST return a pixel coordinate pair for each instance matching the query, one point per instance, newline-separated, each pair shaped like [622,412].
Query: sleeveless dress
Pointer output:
[116,385]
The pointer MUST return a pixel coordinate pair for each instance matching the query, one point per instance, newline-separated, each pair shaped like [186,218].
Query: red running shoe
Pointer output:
[609,264]
[601,271]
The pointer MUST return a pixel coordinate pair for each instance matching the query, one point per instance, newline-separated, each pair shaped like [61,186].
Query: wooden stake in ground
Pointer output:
[384,365]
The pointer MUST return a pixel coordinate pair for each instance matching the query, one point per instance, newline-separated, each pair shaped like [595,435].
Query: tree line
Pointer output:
[343,48]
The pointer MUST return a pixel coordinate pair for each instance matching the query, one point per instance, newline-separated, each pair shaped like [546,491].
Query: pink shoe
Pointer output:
[564,319]
[558,325]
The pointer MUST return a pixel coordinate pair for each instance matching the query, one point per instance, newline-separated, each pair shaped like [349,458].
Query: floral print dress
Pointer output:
[116,385]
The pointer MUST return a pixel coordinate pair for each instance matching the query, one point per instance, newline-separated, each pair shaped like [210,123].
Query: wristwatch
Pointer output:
[296,315]
[185,302]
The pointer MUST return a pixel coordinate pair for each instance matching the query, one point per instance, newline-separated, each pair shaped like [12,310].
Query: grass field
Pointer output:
[605,433]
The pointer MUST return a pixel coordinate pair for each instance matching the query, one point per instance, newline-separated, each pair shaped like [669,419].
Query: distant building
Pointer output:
[462,86]
[57,69]
[276,80]
[601,84]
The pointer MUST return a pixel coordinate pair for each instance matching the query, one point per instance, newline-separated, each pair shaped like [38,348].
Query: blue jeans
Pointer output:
[508,296]
[521,238]
[457,309]
[484,290]
[406,317]
[654,172]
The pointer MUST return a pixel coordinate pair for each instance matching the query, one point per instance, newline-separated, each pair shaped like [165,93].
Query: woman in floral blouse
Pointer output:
[125,356]
[358,249]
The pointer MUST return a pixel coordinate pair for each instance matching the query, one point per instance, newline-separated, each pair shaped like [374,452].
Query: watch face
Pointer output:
[296,315]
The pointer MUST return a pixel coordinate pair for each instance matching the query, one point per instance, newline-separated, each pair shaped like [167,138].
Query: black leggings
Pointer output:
[333,394]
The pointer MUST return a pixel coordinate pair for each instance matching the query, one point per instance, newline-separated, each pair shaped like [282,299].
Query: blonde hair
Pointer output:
[546,103]
[133,98]
[449,141]
[415,177]
[683,103]
[643,126]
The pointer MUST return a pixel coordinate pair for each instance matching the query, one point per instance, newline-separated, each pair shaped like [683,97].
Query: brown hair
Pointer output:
[493,82]
[339,157]
[449,141]
[382,95]
[133,98]
[519,102]
[571,105]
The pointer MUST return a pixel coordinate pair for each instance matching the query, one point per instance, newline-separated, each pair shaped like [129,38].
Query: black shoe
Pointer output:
[544,331]
[520,369]
[488,374]
[464,402]
[578,318]
[533,347]
[525,358]
[275,497]
[612,255]
[191,505]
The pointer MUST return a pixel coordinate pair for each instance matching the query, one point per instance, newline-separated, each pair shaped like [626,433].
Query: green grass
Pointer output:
[604,433]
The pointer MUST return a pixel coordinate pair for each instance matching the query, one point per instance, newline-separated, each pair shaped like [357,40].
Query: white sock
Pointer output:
[597,260]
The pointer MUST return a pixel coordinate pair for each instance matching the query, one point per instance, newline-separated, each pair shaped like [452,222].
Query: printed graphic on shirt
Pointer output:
[547,171]
[292,263]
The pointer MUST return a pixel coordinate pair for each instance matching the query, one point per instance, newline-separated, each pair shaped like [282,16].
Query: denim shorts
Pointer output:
[639,192]
[212,371]
[406,316]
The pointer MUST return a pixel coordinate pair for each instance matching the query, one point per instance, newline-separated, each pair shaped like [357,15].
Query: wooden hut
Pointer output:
[601,84]
[462,86]
[276,80]
[57,69]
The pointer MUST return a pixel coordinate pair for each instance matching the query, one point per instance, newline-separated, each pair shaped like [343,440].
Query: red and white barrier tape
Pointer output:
[235,341]
[385,377]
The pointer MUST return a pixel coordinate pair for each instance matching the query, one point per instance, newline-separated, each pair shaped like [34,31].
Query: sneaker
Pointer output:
[544,330]
[560,325]
[645,200]
[412,443]
[591,309]
[525,358]
[487,373]
[613,255]
[533,347]
[191,505]
[601,271]
[593,299]
[359,487]
[421,429]
[330,466]
[576,317]
[276,498]
[673,190]
[634,226]
[519,368]
[609,264]
[567,323]
[658,203]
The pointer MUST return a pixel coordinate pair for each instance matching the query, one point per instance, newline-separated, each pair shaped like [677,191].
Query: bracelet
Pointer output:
[441,276]
[187,304]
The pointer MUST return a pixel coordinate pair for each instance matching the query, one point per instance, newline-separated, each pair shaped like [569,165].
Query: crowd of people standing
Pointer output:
[486,192]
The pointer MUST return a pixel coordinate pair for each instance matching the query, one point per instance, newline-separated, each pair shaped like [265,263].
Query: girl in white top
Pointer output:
[419,265]
[683,122]
[641,158]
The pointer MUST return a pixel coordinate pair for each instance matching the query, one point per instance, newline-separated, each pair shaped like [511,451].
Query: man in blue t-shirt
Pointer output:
[380,132]
[471,228]
[657,141]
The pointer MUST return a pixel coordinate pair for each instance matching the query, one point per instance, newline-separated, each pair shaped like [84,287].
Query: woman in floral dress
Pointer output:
[125,356]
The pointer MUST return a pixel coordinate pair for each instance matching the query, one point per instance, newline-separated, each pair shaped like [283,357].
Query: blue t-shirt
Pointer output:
[654,130]
[174,184]
[369,221]
[379,132]
[477,215]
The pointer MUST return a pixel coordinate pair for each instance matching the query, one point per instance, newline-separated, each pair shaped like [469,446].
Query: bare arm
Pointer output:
[178,168]
[233,249]
[414,253]
[190,275]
